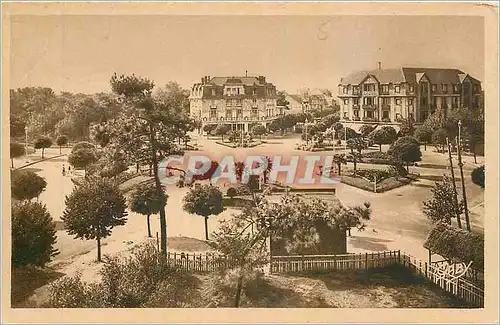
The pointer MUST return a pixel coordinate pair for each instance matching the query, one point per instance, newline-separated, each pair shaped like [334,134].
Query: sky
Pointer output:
[80,53]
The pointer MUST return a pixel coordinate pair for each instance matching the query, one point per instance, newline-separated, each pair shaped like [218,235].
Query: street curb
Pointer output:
[38,161]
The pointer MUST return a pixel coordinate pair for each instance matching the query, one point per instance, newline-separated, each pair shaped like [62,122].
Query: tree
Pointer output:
[100,134]
[477,176]
[146,200]
[339,159]
[209,128]
[259,130]
[294,219]
[441,206]
[357,144]
[147,127]
[380,137]
[83,145]
[61,141]
[355,157]
[330,120]
[347,133]
[33,235]
[439,138]
[26,185]
[391,133]
[93,209]
[406,149]
[281,99]
[222,129]
[407,127]
[42,143]
[366,129]
[203,200]
[424,135]
[476,134]
[433,122]
[16,150]
[82,158]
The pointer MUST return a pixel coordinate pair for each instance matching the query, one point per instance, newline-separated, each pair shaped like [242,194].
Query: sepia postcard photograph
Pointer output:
[249,162]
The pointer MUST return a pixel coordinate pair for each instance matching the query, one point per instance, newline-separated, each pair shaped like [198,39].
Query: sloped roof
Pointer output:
[382,75]
[435,75]
[410,75]
[297,98]
[247,81]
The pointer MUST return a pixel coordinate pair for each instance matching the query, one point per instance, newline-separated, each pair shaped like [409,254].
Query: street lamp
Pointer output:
[307,121]
[460,165]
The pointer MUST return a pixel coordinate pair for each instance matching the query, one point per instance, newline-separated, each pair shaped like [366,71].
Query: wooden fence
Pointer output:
[462,288]
[307,263]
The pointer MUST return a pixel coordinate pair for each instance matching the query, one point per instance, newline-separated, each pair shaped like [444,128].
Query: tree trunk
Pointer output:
[206,228]
[12,162]
[137,168]
[239,288]
[43,151]
[339,166]
[474,152]
[163,219]
[60,152]
[425,146]
[355,163]
[349,232]
[149,226]
[99,248]
[407,167]
[150,169]
[380,147]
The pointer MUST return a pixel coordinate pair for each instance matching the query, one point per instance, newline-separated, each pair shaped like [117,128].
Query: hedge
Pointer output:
[384,186]
[458,245]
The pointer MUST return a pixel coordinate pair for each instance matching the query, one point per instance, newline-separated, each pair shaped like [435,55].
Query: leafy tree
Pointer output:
[439,138]
[222,130]
[61,141]
[33,235]
[477,176]
[441,206]
[348,133]
[433,122]
[406,149]
[407,127]
[366,129]
[42,143]
[281,99]
[321,127]
[339,159]
[259,130]
[476,134]
[355,157]
[203,200]
[100,133]
[26,185]
[146,200]
[209,128]
[147,127]
[380,137]
[16,150]
[357,144]
[391,133]
[232,192]
[93,209]
[82,158]
[423,134]
[83,145]
[288,121]
[330,120]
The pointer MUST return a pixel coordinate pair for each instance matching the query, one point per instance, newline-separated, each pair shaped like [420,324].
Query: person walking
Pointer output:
[64,171]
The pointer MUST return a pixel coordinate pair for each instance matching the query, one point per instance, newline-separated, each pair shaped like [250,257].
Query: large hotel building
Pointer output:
[388,95]
[238,101]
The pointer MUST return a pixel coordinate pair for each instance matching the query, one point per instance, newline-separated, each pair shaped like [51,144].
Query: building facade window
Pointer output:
[346,101]
[356,112]
[385,89]
[213,92]
[368,101]
[255,113]
[239,113]
[454,102]
[385,114]
[368,87]
[411,88]
[229,114]
[397,89]
[456,89]
[369,114]
[445,88]
[386,101]
[355,90]
[398,101]
[355,101]
[213,113]
[410,101]
[344,89]
[434,87]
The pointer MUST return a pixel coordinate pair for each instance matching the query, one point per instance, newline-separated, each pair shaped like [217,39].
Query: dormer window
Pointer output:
[397,89]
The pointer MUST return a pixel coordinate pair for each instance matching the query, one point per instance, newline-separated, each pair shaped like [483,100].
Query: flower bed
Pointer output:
[235,145]
[382,186]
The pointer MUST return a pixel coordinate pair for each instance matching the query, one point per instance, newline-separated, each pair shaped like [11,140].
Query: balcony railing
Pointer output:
[386,107]
[370,119]
[356,118]
[355,106]
[369,106]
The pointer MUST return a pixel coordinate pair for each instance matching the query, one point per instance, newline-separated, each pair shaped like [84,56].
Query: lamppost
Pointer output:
[345,141]
[460,165]
[306,130]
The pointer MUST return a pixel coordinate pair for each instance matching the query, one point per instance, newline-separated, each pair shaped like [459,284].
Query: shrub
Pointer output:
[16,150]
[374,174]
[33,235]
[26,185]
[83,145]
[144,279]
[61,141]
[232,192]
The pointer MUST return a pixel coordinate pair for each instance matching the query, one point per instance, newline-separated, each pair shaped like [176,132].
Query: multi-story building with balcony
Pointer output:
[389,95]
[238,101]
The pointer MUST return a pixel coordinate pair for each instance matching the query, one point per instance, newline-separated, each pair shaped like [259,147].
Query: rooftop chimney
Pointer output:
[379,65]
